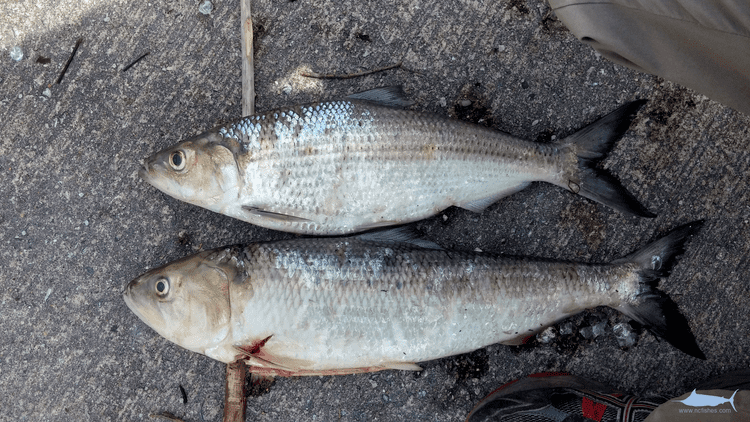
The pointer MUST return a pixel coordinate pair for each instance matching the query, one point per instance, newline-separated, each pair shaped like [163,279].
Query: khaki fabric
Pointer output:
[675,411]
[701,44]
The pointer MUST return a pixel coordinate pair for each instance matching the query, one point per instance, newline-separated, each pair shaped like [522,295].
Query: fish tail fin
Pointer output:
[591,144]
[731,400]
[653,308]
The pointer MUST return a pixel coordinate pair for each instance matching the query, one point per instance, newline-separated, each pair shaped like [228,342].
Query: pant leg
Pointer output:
[701,44]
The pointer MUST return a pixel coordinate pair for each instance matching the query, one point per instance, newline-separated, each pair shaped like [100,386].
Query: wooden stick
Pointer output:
[234,398]
[248,72]
[234,385]
[348,75]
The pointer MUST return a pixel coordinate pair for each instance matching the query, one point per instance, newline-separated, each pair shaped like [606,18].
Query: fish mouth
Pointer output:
[131,300]
[126,295]
[135,306]
[144,172]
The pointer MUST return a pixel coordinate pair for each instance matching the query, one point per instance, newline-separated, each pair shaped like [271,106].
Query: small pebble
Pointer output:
[593,331]
[587,332]
[598,329]
[547,335]
[206,7]
[465,103]
[16,53]
[624,334]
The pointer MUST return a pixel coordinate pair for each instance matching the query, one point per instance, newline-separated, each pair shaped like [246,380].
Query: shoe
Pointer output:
[559,397]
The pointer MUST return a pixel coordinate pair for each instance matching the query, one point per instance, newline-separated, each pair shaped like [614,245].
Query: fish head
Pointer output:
[201,170]
[188,301]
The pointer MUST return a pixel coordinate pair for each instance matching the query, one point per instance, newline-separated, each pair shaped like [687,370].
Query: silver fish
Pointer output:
[320,306]
[346,166]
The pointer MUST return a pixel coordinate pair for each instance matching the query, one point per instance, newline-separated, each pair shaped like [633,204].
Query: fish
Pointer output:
[697,400]
[376,301]
[346,166]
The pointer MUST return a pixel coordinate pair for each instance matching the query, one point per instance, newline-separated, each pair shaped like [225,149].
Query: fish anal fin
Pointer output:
[257,211]
[479,205]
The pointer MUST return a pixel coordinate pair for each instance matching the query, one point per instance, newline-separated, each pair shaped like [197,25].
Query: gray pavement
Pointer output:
[76,222]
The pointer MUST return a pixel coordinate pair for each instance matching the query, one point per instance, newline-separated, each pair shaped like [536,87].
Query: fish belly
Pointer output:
[344,166]
[333,304]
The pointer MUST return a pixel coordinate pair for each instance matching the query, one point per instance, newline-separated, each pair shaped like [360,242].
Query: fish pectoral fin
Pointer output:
[278,216]
[402,366]
[254,360]
[389,96]
[481,204]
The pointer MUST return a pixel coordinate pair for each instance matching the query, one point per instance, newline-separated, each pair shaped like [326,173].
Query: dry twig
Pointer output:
[248,73]
[234,398]
[70,59]
[348,75]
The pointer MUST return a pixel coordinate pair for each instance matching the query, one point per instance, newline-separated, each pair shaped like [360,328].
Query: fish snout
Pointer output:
[145,171]
[131,291]
[127,295]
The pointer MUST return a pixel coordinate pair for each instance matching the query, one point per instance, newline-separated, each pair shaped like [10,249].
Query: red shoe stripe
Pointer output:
[592,410]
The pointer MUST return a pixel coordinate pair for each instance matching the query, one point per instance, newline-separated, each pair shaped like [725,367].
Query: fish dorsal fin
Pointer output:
[401,235]
[389,96]
[278,216]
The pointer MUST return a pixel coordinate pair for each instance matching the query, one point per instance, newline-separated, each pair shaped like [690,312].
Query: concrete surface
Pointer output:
[78,224]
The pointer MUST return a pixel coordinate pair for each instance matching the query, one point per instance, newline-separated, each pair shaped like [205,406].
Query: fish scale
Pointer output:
[351,165]
[463,297]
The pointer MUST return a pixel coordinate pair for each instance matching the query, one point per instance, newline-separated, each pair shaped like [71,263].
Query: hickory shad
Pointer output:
[320,306]
[350,165]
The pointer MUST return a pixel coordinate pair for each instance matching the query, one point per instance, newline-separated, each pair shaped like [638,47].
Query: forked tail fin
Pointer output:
[591,144]
[653,308]
[731,400]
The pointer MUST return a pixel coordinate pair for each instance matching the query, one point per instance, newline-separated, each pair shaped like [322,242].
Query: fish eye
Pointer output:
[177,160]
[162,287]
